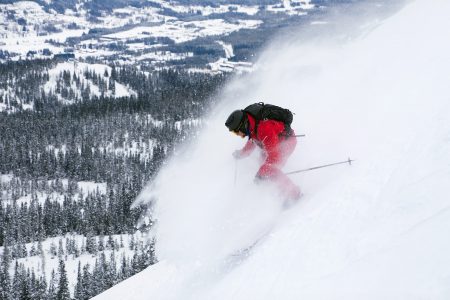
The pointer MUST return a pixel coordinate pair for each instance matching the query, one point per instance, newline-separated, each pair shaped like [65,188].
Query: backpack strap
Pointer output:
[256,111]
[248,131]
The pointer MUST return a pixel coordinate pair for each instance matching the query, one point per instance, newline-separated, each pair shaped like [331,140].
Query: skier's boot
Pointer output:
[291,194]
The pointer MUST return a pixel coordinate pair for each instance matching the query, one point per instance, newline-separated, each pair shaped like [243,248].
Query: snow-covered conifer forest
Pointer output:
[116,174]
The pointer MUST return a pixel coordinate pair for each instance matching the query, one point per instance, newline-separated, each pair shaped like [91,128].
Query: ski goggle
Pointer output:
[237,130]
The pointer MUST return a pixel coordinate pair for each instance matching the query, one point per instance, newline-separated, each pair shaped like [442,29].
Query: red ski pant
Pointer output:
[271,169]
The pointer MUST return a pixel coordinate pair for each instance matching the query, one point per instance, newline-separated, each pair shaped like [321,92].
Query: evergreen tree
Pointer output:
[53,250]
[111,275]
[97,283]
[63,285]
[110,243]
[53,287]
[125,270]
[87,283]
[41,289]
[16,283]
[33,250]
[5,283]
[91,246]
[24,284]
[60,249]
[101,243]
[79,291]
[135,263]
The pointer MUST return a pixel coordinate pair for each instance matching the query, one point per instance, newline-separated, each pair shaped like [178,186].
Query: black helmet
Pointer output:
[234,121]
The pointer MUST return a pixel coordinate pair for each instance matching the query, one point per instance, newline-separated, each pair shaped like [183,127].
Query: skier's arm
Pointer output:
[246,151]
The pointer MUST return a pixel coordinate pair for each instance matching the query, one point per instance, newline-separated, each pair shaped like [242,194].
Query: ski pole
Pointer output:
[349,161]
[235,171]
[298,135]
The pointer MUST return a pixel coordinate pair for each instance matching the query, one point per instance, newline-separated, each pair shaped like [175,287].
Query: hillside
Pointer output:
[152,33]
[378,93]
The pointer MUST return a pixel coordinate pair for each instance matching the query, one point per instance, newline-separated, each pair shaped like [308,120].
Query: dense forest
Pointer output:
[47,155]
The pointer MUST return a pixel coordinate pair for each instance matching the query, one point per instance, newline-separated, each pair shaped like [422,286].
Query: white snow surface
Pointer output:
[375,230]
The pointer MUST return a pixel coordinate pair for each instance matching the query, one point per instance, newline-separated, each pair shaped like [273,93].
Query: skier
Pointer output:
[276,140]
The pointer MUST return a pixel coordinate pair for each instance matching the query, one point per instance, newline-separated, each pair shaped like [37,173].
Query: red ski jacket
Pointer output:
[272,138]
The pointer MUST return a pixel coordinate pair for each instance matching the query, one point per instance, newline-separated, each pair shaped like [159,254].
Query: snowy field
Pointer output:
[375,230]
[185,31]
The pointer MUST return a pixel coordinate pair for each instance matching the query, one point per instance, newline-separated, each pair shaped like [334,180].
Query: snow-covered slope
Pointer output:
[375,230]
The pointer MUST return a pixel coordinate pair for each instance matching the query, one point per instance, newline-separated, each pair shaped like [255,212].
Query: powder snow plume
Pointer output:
[377,91]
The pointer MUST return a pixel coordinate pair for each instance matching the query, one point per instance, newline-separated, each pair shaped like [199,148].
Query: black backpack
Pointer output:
[261,111]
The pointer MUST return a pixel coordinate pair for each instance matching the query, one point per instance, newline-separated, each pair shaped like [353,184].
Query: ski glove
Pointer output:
[259,179]
[237,154]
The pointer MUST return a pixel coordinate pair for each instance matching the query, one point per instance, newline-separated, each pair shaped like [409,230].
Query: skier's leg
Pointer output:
[287,147]
[271,171]
[287,188]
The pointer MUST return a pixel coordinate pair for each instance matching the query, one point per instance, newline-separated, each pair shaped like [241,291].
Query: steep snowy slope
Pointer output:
[378,229]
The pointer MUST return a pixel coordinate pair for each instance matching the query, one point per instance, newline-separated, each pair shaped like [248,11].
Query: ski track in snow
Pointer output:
[375,230]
